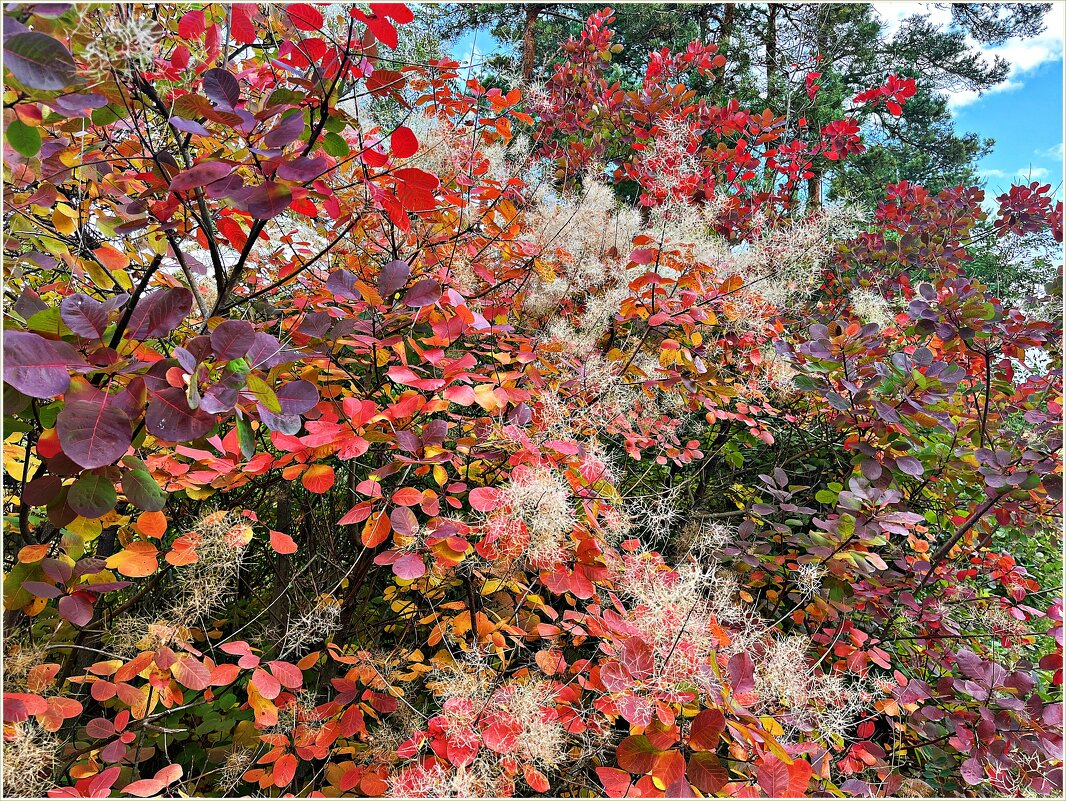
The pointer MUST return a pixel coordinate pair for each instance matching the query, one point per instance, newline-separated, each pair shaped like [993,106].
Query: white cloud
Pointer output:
[1053,153]
[1033,173]
[1023,55]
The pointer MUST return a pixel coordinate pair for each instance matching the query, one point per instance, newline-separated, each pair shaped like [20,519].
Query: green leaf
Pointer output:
[263,393]
[142,490]
[92,496]
[245,437]
[335,145]
[24,138]
[825,496]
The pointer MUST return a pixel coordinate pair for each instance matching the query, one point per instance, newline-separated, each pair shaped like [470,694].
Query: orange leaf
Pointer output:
[318,479]
[136,561]
[376,529]
[34,553]
[152,524]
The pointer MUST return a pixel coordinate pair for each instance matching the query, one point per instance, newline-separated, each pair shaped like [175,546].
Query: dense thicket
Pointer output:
[373,429]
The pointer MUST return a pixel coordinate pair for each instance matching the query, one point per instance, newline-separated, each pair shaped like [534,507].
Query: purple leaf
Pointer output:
[223,396]
[202,174]
[342,284]
[28,304]
[424,293]
[285,132]
[909,465]
[170,418]
[297,397]
[39,61]
[282,423]
[158,313]
[78,105]
[42,589]
[226,187]
[77,608]
[393,276]
[409,566]
[222,87]
[267,352]
[34,366]
[94,431]
[742,673]
[84,316]
[302,169]
[189,126]
[972,771]
[403,521]
[232,339]
[265,201]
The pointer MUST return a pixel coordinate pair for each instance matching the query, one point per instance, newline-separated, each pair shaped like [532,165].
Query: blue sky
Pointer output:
[1023,114]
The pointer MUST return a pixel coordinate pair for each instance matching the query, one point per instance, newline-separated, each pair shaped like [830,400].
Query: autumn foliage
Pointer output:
[371,431]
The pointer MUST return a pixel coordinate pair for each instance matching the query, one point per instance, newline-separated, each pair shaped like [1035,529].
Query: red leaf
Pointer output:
[705,771]
[500,731]
[404,142]
[376,530]
[707,728]
[535,779]
[669,767]
[288,674]
[282,543]
[241,24]
[192,25]
[202,174]
[799,774]
[424,293]
[637,658]
[616,783]
[318,478]
[774,778]
[304,16]
[397,11]
[268,686]
[284,770]
[484,499]
[190,673]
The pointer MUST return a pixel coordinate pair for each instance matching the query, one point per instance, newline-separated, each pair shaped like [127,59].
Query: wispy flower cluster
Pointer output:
[30,756]
[814,703]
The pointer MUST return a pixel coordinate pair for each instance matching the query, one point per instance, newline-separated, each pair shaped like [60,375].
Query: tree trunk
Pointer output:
[770,42]
[814,189]
[725,32]
[529,42]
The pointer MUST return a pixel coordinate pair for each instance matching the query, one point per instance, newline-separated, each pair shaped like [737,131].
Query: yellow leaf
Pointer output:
[199,493]
[86,529]
[63,218]
[157,241]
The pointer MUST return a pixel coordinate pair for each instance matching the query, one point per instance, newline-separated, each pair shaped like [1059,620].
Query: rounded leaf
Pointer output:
[232,339]
[34,366]
[92,495]
[39,61]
